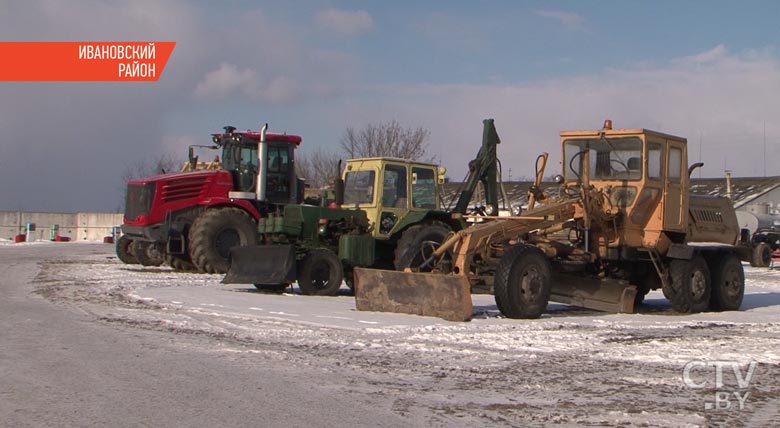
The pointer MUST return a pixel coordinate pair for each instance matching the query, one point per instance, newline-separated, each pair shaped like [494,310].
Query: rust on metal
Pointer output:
[427,294]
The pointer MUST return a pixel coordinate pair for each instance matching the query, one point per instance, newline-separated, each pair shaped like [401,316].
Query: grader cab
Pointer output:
[622,223]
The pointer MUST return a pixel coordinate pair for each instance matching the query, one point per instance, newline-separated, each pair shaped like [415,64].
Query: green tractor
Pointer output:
[387,215]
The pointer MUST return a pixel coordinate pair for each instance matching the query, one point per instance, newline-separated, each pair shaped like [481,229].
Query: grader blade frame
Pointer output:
[448,296]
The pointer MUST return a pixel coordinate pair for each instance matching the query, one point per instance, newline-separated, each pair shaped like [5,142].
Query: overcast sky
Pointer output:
[706,70]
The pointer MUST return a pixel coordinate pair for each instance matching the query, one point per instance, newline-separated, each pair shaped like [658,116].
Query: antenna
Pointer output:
[764,148]
[699,152]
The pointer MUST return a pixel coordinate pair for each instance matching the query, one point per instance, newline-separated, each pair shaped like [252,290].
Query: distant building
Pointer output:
[754,194]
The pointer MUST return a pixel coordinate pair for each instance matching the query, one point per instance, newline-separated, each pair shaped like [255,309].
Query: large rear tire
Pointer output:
[728,284]
[690,285]
[523,282]
[418,242]
[320,273]
[214,233]
[124,250]
[148,253]
[762,255]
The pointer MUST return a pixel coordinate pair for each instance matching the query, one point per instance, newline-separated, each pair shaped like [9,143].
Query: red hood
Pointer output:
[173,176]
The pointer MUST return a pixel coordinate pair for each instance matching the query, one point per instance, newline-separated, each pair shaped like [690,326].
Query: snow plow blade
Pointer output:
[608,295]
[261,264]
[426,294]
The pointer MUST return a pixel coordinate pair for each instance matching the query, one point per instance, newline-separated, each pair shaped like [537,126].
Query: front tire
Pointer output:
[124,250]
[214,233]
[523,282]
[728,284]
[321,273]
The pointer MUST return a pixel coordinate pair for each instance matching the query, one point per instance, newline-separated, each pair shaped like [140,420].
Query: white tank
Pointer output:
[758,208]
[755,221]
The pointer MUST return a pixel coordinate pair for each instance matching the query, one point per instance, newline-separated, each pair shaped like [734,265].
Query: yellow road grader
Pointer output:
[622,223]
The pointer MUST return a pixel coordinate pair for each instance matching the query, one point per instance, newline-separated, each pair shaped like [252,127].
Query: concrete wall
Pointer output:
[77,226]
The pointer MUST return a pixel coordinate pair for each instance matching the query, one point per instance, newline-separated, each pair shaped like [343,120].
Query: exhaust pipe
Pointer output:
[262,156]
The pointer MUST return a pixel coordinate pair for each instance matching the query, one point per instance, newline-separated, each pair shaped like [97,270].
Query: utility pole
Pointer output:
[699,153]
[764,148]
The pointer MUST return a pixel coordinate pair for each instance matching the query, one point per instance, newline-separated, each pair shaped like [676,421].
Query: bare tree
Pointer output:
[318,167]
[164,163]
[386,139]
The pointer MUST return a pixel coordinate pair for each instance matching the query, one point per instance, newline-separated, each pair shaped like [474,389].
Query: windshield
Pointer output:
[610,158]
[359,187]
[234,156]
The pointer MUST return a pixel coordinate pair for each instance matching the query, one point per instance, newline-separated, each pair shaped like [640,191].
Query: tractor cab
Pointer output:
[393,192]
[240,158]
[642,175]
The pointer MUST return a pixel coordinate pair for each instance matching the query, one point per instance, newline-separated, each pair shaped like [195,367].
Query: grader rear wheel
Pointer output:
[728,284]
[689,289]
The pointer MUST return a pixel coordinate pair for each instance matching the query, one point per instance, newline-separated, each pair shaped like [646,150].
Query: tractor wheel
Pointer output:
[728,284]
[762,255]
[124,250]
[148,253]
[418,242]
[271,288]
[180,263]
[690,288]
[523,282]
[214,233]
[320,273]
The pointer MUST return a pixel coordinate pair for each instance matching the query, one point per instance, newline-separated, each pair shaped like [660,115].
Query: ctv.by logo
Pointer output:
[700,374]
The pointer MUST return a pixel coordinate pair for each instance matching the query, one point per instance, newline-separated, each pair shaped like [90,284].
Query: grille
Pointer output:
[705,215]
[138,200]
[182,189]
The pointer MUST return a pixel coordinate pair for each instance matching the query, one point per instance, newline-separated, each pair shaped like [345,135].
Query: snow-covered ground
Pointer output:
[572,367]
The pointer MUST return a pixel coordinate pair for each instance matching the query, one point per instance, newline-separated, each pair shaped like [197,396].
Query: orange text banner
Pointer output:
[84,61]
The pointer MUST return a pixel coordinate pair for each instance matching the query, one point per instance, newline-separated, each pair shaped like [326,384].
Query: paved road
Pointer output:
[58,367]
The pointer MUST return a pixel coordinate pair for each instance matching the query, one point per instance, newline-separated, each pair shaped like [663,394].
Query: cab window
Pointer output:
[394,187]
[359,187]
[675,164]
[423,188]
[654,161]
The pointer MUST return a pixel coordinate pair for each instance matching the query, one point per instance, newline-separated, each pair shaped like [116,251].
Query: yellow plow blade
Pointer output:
[426,294]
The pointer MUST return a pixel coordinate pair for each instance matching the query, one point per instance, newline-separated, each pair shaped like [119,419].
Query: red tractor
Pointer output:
[192,219]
